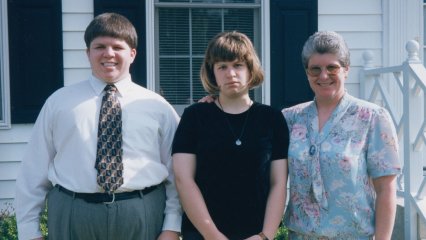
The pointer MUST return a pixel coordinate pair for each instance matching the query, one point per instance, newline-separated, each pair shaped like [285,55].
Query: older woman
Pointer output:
[229,156]
[343,154]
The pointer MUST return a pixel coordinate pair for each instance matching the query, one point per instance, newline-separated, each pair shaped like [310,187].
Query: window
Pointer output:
[424,32]
[4,69]
[183,29]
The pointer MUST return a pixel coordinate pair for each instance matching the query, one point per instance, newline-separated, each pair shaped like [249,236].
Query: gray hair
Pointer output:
[323,42]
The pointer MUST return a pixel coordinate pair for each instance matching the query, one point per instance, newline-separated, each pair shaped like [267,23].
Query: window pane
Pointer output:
[211,1]
[424,24]
[241,20]
[239,1]
[174,28]
[205,25]
[174,0]
[175,80]
[1,75]
[198,91]
[224,1]
[1,66]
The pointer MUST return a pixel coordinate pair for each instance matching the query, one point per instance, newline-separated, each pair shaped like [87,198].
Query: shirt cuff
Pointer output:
[29,230]
[172,222]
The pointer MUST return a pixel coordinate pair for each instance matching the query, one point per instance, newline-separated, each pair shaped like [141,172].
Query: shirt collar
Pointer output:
[123,85]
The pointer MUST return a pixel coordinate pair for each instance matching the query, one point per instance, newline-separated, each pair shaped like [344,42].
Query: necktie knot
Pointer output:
[110,88]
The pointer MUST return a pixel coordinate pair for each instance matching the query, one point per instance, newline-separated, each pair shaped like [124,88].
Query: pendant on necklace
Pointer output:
[312,150]
[238,142]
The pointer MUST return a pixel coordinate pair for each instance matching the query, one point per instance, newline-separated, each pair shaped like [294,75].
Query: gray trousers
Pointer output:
[74,219]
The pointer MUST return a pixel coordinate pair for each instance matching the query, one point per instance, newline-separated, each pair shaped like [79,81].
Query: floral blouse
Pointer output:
[331,192]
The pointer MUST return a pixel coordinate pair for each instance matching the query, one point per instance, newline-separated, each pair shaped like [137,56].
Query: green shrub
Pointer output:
[8,228]
[282,233]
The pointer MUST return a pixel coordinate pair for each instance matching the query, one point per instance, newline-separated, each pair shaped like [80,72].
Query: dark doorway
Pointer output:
[292,22]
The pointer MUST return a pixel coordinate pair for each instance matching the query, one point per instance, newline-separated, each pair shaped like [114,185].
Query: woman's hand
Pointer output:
[208,99]
[168,235]
[254,237]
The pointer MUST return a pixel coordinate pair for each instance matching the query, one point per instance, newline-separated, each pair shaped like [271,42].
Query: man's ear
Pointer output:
[133,53]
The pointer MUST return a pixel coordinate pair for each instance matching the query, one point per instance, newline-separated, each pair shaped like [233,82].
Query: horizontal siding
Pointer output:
[77,6]
[76,59]
[353,76]
[7,189]
[75,75]
[352,88]
[12,147]
[74,41]
[18,133]
[9,170]
[363,40]
[11,152]
[349,7]
[72,22]
[357,59]
[352,22]
[75,21]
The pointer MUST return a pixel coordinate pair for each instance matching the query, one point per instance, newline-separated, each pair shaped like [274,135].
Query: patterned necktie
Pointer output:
[109,152]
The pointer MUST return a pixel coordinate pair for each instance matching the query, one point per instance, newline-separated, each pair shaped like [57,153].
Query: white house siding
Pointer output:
[76,15]
[12,146]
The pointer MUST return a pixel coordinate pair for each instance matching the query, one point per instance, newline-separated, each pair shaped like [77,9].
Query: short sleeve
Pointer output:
[185,138]
[281,137]
[382,152]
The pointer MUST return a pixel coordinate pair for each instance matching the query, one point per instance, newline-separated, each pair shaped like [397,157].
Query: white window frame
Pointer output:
[422,29]
[152,71]
[5,122]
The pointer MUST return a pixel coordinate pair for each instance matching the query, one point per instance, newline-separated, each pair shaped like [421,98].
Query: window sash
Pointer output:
[5,122]
[424,32]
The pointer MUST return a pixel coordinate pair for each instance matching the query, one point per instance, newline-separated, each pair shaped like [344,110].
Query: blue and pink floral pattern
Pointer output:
[331,192]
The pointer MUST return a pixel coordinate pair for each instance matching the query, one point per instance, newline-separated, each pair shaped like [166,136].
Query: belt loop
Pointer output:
[140,193]
[73,195]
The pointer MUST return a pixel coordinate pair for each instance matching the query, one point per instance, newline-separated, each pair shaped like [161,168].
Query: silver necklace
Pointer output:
[238,139]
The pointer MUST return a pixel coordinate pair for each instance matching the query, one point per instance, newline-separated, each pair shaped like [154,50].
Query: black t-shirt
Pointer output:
[234,180]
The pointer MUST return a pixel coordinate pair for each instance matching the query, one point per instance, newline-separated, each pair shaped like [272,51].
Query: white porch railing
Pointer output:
[402,90]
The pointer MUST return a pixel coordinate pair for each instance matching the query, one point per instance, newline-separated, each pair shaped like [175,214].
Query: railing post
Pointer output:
[413,164]
[412,48]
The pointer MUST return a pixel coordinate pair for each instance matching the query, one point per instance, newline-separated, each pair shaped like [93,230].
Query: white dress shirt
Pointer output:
[62,148]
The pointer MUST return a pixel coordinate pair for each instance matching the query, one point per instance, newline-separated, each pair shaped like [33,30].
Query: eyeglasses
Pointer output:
[315,71]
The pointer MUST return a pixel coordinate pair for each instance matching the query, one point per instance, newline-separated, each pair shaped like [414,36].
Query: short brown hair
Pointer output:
[111,25]
[230,46]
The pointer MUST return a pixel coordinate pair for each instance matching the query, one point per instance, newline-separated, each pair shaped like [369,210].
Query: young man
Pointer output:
[100,152]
